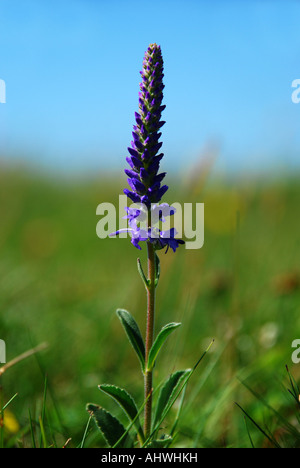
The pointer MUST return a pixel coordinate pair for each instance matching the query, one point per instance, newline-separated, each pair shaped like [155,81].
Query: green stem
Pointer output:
[149,336]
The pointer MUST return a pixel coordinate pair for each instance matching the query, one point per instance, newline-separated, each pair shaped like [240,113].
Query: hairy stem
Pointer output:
[149,336]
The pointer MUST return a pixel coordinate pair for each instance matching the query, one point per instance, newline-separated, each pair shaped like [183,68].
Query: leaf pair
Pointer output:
[143,276]
[134,335]
[113,430]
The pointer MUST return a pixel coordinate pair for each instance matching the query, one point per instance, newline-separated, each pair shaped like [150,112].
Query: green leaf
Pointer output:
[159,341]
[110,426]
[126,401]
[167,391]
[176,392]
[142,274]
[157,269]
[134,335]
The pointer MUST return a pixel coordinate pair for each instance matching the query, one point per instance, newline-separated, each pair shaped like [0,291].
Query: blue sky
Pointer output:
[71,69]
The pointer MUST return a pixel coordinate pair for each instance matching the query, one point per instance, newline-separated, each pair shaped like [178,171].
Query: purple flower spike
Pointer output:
[144,178]
[145,145]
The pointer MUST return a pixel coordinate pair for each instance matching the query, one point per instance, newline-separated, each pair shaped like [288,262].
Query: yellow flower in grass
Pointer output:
[10,422]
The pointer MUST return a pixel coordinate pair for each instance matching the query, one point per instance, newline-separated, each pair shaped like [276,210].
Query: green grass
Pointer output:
[61,284]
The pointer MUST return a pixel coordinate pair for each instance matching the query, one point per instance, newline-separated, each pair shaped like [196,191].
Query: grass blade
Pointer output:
[9,402]
[271,440]
[42,417]
[85,432]
[248,432]
[31,430]
[293,430]
[43,434]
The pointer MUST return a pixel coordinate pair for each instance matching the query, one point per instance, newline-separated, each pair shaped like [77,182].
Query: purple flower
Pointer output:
[143,178]
[167,239]
[140,231]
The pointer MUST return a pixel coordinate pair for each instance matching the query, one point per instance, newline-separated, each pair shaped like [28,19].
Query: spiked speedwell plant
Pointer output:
[147,190]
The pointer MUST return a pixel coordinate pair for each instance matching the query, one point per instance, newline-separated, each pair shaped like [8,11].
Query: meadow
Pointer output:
[61,285]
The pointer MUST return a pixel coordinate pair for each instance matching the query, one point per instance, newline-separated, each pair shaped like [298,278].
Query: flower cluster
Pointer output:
[144,158]
[140,230]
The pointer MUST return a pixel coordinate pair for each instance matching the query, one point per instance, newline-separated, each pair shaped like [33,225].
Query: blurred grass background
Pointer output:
[61,284]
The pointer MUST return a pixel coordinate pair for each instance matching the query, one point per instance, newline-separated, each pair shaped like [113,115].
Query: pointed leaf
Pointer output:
[134,335]
[167,391]
[159,341]
[126,401]
[142,274]
[110,426]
